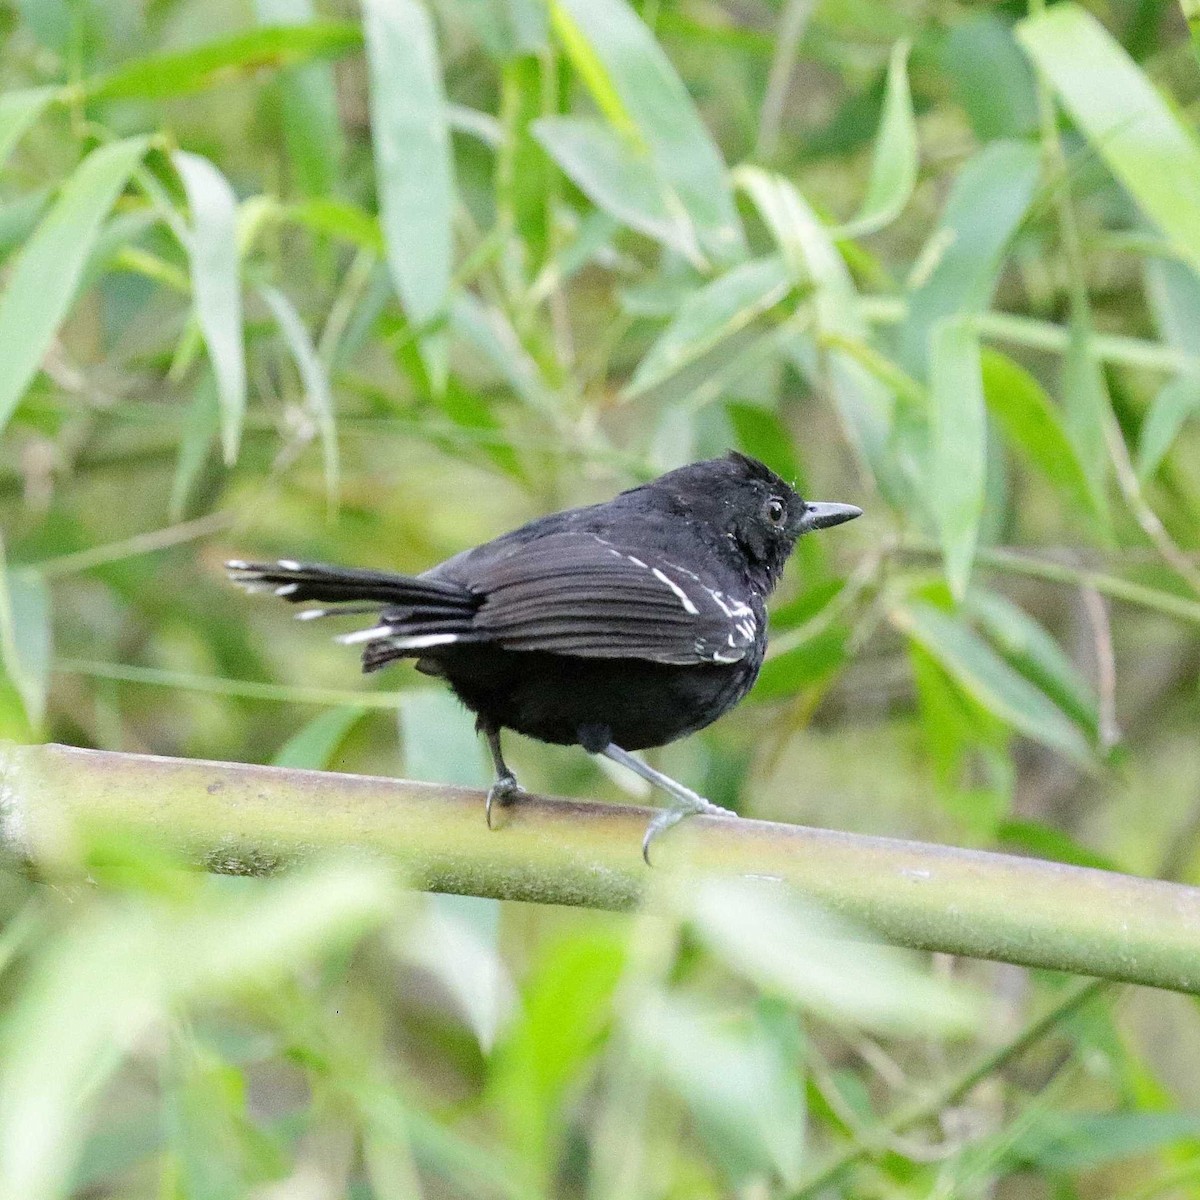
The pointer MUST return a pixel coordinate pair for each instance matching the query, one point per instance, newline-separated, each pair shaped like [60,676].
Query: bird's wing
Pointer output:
[579,594]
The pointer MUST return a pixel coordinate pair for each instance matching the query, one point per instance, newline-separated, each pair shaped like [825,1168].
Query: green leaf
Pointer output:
[990,681]
[47,273]
[954,724]
[123,970]
[1045,841]
[566,1006]
[18,111]
[308,104]
[318,394]
[813,661]
[1082,1142]
[894,165]
[958,463]
[1125,120]
[414,168]
[709,317]
[201,427]
[620,178]
[790,949]
[440,744]
[525,178]
[1173,292]
[761,434]
[864,404]
[214,264]
[1176,401]
[1035,654]
[25,637]
[987,202]
[993,78]
[491,333]
[312,748]
[746,1098]
[339,219]
[163,76]
[636,87]
[1031,424]
[1086,406]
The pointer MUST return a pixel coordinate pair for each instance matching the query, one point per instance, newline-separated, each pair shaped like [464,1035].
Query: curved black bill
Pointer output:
[821,515]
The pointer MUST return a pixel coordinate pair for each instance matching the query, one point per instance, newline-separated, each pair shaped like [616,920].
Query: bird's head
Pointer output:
[749,504]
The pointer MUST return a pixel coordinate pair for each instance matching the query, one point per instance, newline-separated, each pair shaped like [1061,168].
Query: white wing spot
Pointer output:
[287,589]
[311,614]
[237,564]
[684,598]
[424,640]
[289,564]
[637,562]
[365,635]
[719,600]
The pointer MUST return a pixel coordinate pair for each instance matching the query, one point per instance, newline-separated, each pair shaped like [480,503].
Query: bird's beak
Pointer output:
[821,515]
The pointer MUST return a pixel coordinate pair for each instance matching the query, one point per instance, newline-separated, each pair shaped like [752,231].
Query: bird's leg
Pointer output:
[506,788]
[685,802]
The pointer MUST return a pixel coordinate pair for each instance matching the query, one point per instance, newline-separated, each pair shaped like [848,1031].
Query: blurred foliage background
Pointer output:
[371,284]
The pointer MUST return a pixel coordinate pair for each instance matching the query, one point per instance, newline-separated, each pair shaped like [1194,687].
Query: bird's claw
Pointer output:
[504,791]
[665,818]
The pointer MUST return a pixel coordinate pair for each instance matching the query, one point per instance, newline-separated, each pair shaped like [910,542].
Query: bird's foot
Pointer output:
[686,804]
[504,791]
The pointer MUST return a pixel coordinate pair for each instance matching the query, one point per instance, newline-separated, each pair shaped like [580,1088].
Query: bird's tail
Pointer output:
[413,613]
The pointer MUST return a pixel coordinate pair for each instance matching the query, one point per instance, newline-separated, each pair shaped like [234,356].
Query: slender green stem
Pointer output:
[953,1090]
[142,543]
[213,685]
[1045,335]
[1171,605]
[247,819]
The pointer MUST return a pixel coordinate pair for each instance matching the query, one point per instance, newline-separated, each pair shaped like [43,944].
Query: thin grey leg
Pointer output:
[506,788]
[685,802]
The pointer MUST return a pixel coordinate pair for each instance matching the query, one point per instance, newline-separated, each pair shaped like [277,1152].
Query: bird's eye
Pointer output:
[775,510]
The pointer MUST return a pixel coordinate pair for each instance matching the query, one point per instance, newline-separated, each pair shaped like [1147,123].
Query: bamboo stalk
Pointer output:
[233,818]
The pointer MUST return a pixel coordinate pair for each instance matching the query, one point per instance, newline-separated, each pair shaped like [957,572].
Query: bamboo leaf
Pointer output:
[414,170]
[162,76]
[1036,654]
[25,637]
[746,1101]
[18,111]
[1032,426]
[987,203]
[619,177]
[440,744]
[318,394]
[340,219]
[709,317]
[1177,400]
[1153,154]
[813,661]
[308,103]
[958,427]
[47,273]
[894,165]
[201,428]
[636,87]
[312,747]
[214,265]
[492,335]
[989,680]
[864,404]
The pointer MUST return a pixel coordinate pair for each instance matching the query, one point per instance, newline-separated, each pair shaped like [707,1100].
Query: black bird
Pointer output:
[615,627]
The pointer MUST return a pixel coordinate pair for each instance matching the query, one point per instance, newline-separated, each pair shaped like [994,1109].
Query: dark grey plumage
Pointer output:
[618,626]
